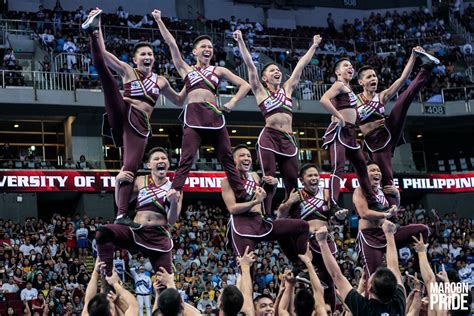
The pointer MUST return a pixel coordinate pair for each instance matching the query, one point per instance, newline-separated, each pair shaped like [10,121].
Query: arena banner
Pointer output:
[104,180]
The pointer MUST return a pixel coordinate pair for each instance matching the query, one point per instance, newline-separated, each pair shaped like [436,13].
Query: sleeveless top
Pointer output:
[276,102]
[312,206]
[369,110]
[381,197]
[202,78]
[250,184]
[143,88]
[346,100]
[152,197]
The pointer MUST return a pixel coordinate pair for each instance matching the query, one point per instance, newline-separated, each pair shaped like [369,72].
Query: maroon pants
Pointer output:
[291,234]
[289,170]
[338,153]
[219,138]
[111,236]
[117,109]
[371,244]
[395,124]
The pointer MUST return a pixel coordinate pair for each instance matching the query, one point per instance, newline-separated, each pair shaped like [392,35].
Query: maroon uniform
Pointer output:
[311,207]
[371,242]
[126,125]
[342,144]
[205,121]
[382,141]
[249,228]
[275,146]
[153,241]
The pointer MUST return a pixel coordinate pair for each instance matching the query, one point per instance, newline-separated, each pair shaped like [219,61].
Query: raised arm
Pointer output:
[284,305]
[325,101]
[246,285]
[387,94]
[293,81]
[166,89]
[237,208]
[176,200]
[390,229]
[362,207]
[427,274]
[243,87]
[112,62]
[285,207]
[178,60]
[342,285]
[254,78]
[318,291]
[91,289]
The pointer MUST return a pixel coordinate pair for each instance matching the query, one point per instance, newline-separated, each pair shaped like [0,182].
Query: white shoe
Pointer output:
[427,58]
[92,22]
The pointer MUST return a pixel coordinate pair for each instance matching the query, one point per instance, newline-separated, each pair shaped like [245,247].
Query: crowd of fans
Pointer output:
[383,40]
[12,157]
[47,263]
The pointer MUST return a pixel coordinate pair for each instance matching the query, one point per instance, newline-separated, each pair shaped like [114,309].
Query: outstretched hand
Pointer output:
[247,259]
[317,39]
[237,35]
[419,244]
[156,15]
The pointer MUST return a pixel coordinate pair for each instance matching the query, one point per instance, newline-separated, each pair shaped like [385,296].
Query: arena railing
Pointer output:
[306,90]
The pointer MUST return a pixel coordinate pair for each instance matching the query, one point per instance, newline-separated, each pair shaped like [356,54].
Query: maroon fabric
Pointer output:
[314,245]
[143,88]
[346,136]
[111,236]
[251,224]
[194,79]
[291,234]
[118,111]
[276,102]
[339,153]
[288,168]
[137,119]
[278,142]
[371,243]
[192,139]
[345,101]
[377,139]
[201,115]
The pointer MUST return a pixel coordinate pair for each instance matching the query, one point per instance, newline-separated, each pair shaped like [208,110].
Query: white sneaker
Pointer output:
[92,22]
[427,58]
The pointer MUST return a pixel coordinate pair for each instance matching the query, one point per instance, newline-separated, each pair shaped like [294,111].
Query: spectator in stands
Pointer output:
[10,287]
[29,292]
[83,163]
[204,302]
[143,288]
[9,58]
[122,16]
[70,49]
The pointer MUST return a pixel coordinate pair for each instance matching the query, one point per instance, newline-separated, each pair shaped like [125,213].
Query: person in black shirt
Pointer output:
[387,295]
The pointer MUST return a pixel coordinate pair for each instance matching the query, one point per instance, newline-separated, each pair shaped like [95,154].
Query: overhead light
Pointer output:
[301,133]
[360,134]
[33,147]
[160,130]
[294,133]
[234,131]
[419,136]
[16,126]
[248,143]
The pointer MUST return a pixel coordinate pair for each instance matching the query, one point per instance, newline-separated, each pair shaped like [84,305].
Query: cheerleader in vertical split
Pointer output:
[247,226]
[340,137]
[127,118]
[371,242]
[276,143]
[157,208]
[311,203]
[203,117]
[384,133]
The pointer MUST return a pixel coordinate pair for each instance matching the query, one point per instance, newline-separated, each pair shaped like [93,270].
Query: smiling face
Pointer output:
[272,75]
[243,159]
[264,307]
[344,71]
[144,58]
[203,50]
[375,175]
[368,80]
[310,179]
[159,164]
